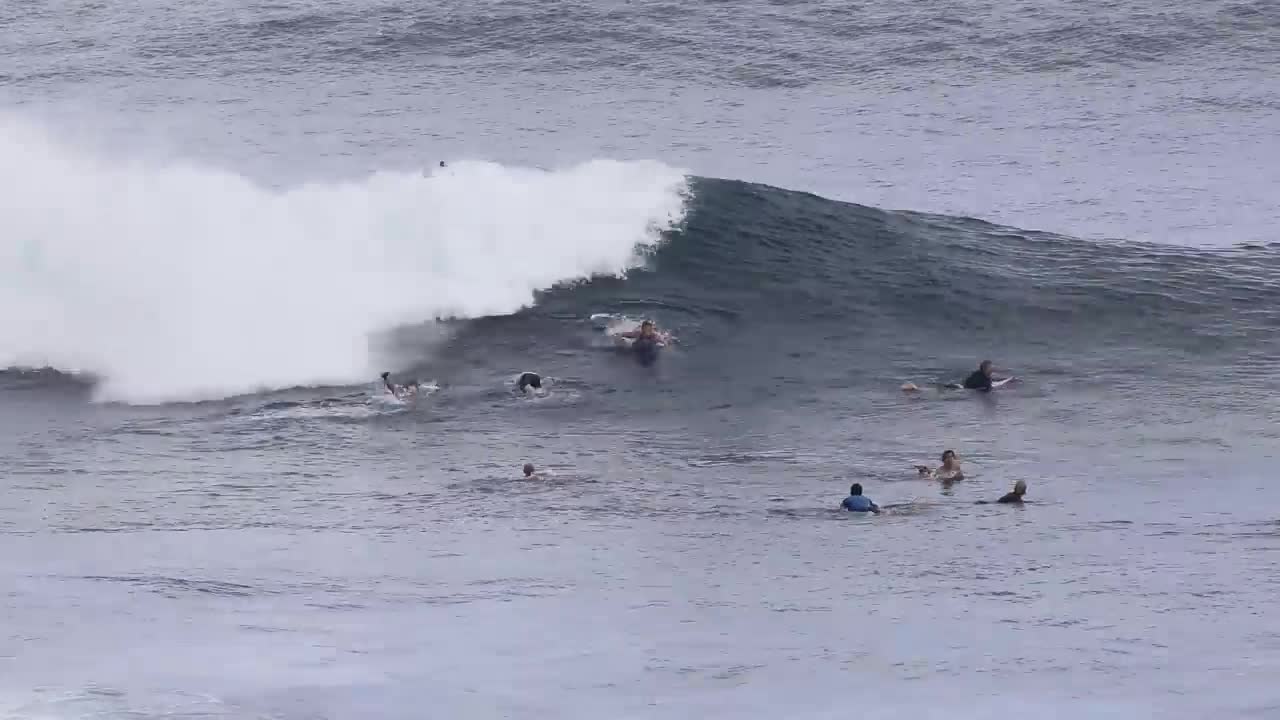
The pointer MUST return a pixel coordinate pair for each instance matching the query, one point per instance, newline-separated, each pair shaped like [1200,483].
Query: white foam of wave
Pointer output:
[182,282]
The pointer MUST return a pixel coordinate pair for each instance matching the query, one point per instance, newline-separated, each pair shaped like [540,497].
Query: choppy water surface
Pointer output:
[210,510]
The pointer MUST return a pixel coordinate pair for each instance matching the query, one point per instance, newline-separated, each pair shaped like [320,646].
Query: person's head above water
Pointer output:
[1020,488]
[647,327]
[528,469]
[986,367]
[529,380]
[949,458]
[855,489]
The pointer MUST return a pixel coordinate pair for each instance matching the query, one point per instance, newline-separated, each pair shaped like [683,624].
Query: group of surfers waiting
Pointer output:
[983,380]
[859,503]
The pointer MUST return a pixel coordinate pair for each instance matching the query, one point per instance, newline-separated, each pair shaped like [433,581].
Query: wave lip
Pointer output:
[186,283]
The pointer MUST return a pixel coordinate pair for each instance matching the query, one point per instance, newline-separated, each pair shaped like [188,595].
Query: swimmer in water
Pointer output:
[948,471]
[857,502]
[399,391]
[529,473]
[529,380]
[1013,498]
[1019,489]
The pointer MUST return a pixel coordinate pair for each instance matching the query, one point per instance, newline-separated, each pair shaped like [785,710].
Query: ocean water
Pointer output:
[222,220]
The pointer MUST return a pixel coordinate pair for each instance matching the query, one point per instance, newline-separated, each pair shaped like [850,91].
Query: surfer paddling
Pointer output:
[857,502]
[983,379]
[399,391]
[529,380]
[645,341]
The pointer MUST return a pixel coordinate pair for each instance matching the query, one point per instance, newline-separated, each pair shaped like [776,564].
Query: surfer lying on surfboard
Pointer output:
[647,332]
[982,379]
[645,341]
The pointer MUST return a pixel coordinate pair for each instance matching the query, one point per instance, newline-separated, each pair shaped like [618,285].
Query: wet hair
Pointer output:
[529,379]
[985,365]
[1020,485]
[528,468]
[855,489]
[648,323]
[945,453]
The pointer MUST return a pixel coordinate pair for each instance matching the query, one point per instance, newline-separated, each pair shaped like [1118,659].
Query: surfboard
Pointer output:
[959,386]
[601,321]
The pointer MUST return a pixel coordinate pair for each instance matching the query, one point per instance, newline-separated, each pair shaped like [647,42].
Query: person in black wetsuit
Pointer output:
[981,378]
[1019,489]
[529,380]
[1012,498]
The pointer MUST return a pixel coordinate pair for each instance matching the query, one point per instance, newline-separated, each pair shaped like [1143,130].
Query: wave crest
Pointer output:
[172,283]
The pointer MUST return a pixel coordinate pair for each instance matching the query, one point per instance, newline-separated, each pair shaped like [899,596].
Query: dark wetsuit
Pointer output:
[1010,498]
[977,381]
[529,380]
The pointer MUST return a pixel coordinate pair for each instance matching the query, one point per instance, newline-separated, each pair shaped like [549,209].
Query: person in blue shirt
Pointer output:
[857,502]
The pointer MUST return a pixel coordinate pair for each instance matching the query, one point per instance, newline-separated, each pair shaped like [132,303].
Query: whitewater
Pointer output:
[178,282]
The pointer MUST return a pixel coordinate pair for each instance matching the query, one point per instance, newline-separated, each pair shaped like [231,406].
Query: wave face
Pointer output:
[771,289]
[176,283]
[799,259]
